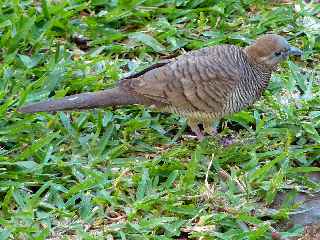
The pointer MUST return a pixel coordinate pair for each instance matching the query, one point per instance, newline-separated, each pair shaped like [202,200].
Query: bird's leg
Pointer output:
[210,127]
[193,124]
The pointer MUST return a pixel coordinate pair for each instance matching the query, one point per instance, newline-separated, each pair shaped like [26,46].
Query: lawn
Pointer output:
[132,173]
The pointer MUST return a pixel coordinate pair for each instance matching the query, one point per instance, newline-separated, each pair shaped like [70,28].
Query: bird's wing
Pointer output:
[153,66]
[198,81]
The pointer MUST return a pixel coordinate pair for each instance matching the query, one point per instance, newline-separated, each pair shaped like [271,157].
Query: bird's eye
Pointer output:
[277,53]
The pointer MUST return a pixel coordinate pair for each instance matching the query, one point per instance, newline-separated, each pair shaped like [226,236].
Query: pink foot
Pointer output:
[198,132]
[226,141]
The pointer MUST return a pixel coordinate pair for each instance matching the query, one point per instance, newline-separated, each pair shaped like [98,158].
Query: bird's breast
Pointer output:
[248,91]
[191,113]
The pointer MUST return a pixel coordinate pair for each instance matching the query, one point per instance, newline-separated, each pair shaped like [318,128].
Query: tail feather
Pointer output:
[109,97]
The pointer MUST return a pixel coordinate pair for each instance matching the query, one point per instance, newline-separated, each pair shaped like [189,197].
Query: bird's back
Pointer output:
[206,83]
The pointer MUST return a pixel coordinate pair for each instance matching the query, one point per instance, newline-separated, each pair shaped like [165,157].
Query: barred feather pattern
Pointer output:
[201,85]
[204,85]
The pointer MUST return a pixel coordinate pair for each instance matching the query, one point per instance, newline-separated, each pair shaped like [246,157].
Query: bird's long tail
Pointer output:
[110,97]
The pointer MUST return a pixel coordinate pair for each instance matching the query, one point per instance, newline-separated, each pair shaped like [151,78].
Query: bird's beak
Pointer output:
[295,51]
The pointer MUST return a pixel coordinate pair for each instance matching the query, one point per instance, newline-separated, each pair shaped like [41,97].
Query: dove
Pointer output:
[203,85]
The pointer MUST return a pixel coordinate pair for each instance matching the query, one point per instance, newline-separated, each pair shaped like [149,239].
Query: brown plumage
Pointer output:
[202,85]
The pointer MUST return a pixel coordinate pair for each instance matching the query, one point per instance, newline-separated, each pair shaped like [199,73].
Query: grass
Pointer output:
[130,173]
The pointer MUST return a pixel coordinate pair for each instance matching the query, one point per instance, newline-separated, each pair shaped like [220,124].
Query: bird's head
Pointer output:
[271,49]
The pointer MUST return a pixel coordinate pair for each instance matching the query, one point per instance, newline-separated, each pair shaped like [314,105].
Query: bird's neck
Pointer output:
[261,73]
[253,54]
